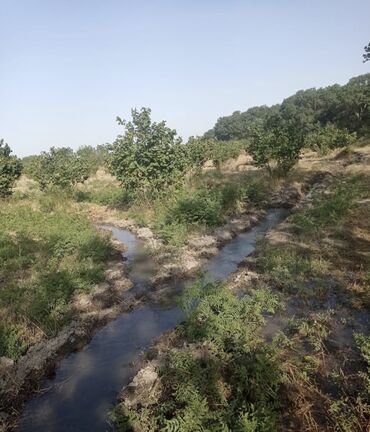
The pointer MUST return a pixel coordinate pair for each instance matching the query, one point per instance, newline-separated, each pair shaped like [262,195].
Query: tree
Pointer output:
[148,156]
[325,138]
[366,55]
[59,167]
[93,157]
[347,107]
[239,124]
[10,169]
[276,145]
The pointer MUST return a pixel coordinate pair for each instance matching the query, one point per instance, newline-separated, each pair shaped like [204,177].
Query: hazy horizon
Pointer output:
[69,68]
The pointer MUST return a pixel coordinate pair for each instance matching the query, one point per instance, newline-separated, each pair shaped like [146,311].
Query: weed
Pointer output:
[226,379]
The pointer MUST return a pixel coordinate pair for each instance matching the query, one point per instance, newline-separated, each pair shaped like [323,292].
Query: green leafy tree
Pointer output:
[239,125]
[346,106]
[149,156]
[198,151]
[366,54]
[329,137]
[10,169]
[276,145]
[94,157]
[202,149]
[59,167]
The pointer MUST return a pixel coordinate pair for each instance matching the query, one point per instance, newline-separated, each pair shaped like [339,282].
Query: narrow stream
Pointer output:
[87,382]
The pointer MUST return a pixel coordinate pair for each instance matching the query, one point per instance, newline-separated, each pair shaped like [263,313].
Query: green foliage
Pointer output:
[94,158]
[204,202]
[60,167]
[200,150]
[203,207]
[12,342]
[148,157]
[329,137]
[225,379]
[316,329]
[47,254]
[221,151]
[366,55]
[239,125]
[353,413]
[276,142]
[10,169]
[347,107]
[330,208]
[110,196]
[289,269]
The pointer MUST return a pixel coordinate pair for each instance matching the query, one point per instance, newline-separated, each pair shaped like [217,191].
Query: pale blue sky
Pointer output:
[69,67]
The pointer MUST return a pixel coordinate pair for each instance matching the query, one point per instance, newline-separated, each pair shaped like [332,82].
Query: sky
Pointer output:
[69,67]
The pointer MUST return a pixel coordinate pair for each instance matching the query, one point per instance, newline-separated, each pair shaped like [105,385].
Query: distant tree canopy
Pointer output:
[366,54]
[94,157]
[333,116]
[60,167]
[202,149]
[10,169]
[149,156]
[346,106]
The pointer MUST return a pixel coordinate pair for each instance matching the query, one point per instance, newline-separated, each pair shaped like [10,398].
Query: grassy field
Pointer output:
[49,251]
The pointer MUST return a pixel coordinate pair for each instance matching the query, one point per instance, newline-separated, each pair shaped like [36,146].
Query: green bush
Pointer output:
[203,207]
[225,380]
[110,196]
[256,192]
[10,169]
[59,167]
[276,144]
[325,138]
[199,150]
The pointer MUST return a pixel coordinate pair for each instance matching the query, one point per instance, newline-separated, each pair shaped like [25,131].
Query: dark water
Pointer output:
[87,383]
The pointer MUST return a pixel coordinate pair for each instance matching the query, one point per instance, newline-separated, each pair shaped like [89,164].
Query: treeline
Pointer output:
[149,157]
[320,119]
[345,107]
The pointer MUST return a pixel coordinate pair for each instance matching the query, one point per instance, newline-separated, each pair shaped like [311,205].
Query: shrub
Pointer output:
[109,196]
[60,167]
[203,207]
[326,138]
[276,142]
[199,150]
[224,379]
[10,169]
